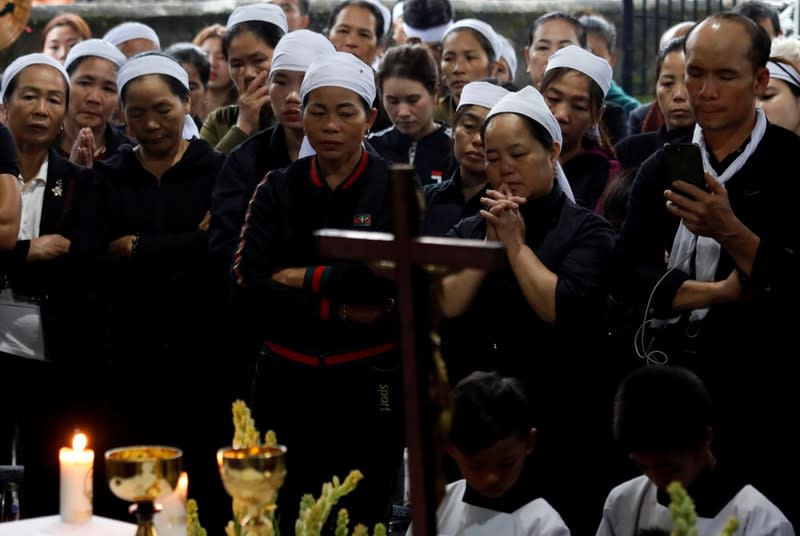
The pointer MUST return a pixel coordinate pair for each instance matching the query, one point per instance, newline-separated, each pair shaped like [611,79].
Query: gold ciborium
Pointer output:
[143,475]
[253,476]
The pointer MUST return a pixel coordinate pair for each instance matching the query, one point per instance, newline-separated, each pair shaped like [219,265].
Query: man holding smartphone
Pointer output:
[718,265]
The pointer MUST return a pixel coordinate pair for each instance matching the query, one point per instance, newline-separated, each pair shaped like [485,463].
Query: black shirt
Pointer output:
[161,291]
[635,149]
[8,152]
[287,207]
[431,154]
[588,174]
[445,205]
[576,245]
[245,167]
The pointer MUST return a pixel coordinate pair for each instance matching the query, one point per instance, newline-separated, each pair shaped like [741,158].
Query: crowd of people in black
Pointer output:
[158,257]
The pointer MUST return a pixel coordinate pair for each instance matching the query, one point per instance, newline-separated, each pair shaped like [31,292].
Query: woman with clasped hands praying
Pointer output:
[537,319]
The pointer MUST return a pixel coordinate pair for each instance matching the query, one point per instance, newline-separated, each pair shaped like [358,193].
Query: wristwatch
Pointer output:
[134,243]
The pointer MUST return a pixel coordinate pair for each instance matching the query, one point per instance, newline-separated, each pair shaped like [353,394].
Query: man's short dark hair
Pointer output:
[580,32]
[760,41]
[487,408]
[424,14]
[598,24]
[305,6]
[661,407]
[757,11]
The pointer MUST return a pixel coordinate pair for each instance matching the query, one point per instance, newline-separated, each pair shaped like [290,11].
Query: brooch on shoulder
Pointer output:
[58,189]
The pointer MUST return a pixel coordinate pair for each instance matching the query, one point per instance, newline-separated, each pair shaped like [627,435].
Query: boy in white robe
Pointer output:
[663,418]
[491,440]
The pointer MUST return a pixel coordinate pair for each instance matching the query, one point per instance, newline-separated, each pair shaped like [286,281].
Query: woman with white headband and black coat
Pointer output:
[47,315]
[45,271]
[330,341]
[470,51]
[92,66]
[408,84]
[272,148]
[539,319]
[157,197]
[459,196]
[574,85]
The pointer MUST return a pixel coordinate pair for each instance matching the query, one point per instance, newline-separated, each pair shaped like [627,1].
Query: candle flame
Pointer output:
[183,486]
[79,441]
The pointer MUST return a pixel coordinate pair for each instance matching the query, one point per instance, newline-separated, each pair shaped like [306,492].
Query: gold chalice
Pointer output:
[142,475]
[253,476]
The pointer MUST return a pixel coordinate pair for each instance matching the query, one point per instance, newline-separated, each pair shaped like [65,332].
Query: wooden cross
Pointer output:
[414,258]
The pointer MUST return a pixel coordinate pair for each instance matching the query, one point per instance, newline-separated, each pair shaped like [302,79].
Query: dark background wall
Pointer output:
[178,21]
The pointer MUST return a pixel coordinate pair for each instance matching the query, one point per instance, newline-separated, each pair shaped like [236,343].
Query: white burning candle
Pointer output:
[171,521]
[76,481]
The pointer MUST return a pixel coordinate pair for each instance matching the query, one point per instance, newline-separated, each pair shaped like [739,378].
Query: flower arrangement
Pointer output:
[684,516]
[314,513]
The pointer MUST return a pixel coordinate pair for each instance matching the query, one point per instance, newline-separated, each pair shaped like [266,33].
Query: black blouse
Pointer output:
[431,154]
[445,205]
[505,333]
[287,207]
[161,291]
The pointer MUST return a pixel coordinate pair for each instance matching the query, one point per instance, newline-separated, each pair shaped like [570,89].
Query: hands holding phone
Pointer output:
[704,212]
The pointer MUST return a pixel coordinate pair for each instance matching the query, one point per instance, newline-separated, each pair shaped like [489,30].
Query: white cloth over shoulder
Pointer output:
[706,250]
[530,103]
[131,30]
[457,518]
[632,507]
[298,49]
[580,59]
[98,48]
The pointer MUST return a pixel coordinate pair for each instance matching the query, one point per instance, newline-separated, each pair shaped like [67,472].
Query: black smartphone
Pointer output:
[685,163]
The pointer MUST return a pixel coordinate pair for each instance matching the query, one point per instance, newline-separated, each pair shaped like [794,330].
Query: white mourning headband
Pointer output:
[151,64]
[530,103]
[428,35]
[580,59]
[131,30]
[340,69]
[21,63]
[297,50]
[510,55]
[482,28]
[263,12]
[481,94]
[785,72]
[98,48]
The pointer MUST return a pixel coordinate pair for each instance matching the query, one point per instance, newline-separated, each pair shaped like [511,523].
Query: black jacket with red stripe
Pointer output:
[286,208]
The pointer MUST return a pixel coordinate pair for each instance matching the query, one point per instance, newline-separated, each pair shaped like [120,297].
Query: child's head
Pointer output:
[662,418]
[492,432]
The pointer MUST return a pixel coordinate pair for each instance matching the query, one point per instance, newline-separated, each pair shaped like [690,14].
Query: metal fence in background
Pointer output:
[645,20]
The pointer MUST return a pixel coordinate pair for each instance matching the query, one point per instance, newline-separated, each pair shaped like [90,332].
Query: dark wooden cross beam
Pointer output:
[412,258]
